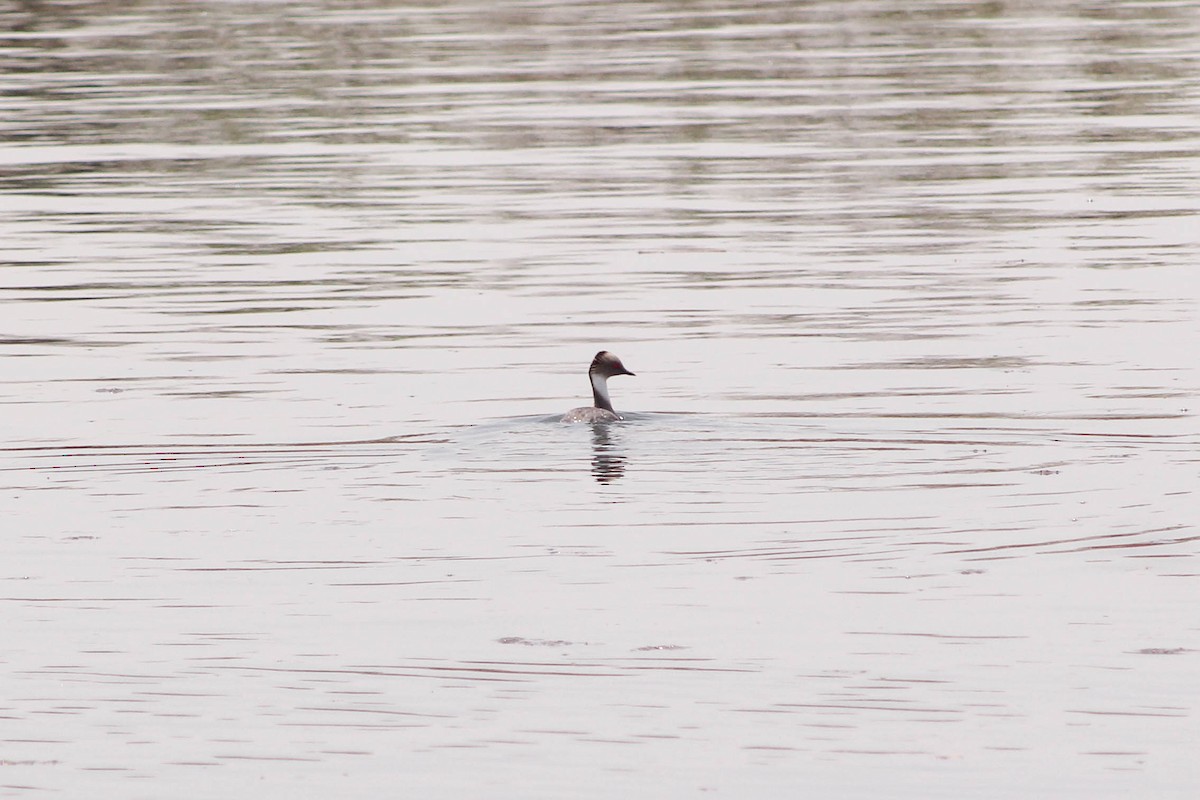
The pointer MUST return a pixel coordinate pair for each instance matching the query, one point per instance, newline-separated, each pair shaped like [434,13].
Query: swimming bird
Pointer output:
[604,366]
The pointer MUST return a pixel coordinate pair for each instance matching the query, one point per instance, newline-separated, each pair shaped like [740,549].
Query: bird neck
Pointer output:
[600,391]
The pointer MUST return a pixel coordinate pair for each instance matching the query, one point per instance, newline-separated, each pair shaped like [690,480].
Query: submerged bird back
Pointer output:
[590,414]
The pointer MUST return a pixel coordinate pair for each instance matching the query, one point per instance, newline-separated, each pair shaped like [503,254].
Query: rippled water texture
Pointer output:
[292,296]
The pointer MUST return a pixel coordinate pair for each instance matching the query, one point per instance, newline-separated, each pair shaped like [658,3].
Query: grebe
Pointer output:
[604,366]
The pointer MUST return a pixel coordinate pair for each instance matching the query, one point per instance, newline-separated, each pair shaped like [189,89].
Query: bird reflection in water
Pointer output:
[608,463]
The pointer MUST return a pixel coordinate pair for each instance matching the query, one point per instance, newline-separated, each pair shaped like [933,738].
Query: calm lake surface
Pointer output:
[905,504]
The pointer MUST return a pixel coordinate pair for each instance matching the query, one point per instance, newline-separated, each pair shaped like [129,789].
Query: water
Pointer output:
[905,501]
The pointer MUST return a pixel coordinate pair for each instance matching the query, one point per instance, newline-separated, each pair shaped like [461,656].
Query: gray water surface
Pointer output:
[904,504]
